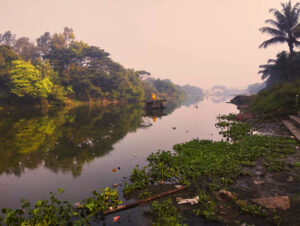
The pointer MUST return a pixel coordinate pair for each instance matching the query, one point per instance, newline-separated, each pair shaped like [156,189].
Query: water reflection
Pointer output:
[63,140]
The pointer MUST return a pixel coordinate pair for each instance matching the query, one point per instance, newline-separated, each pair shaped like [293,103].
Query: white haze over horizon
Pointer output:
[196,42]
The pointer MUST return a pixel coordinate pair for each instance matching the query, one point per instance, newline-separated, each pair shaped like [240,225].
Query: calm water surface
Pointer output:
[77,149]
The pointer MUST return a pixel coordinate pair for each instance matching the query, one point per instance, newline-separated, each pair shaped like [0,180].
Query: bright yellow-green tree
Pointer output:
[26,81]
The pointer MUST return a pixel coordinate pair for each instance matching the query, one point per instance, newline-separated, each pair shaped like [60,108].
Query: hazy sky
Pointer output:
[188,41]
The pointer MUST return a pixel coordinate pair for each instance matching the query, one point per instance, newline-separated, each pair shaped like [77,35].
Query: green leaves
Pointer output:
[197,158]
[57,212]
[26,81]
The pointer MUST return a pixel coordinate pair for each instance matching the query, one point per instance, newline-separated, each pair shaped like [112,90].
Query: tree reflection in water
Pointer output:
[61,140]
[64,140]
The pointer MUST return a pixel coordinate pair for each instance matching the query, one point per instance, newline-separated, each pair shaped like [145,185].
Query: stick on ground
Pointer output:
[119,208]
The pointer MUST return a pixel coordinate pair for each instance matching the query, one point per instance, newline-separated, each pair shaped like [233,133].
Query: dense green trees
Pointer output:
[58,67]
[164,88]
[26,81]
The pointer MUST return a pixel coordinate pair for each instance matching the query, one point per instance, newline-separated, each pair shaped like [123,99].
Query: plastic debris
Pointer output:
[77,204]
[258,182]
[134,155]
[115,184]
[192,201]
[114,170]
[116,219]
[178,186]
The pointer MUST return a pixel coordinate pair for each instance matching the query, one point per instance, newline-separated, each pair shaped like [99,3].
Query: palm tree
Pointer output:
[276,70]
[284,28]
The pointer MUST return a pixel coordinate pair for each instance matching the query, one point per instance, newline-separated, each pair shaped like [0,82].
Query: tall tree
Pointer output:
[283,27]
[8,39]
[44,43]
[276,70]
[26,48]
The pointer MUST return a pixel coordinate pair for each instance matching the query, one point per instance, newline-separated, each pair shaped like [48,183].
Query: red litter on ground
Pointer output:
[116,219]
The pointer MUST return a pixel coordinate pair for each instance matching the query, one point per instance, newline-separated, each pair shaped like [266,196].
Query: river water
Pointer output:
[77,149]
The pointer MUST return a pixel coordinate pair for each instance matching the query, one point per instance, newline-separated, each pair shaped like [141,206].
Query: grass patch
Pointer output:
[277,101]
[254,210]
[165,213]
[275,165]
[296,164]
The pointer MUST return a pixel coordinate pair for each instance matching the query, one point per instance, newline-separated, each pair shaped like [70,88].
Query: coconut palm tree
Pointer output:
[277,70]
[284,28]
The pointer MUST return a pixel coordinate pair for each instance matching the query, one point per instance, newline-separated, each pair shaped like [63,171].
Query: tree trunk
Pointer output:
[291,47]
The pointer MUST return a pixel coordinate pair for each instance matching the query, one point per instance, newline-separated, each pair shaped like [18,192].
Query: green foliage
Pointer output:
[26,81]
[254,210]
[166,214]
[234,130]
[7,56]
[296,164]
[57,212]
[198,158]
[68,69]
[139,180]
[163,88]
[144,194]
[207,207]
[275,165]
[278,100]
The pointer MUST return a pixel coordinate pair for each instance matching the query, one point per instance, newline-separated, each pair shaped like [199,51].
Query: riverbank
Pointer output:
[254,180]
[246,169]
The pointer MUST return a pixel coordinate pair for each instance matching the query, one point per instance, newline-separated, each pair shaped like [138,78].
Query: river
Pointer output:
[77,149]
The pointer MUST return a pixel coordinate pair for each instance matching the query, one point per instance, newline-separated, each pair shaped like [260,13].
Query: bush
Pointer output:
[277,101]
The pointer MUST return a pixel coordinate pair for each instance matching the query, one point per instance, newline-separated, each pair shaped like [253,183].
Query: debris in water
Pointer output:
[134,155]
[116,219]
[174,127]
[114,170]
[192,201]
[115,184]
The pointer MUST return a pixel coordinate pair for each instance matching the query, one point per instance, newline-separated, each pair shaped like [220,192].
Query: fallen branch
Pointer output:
[123,207]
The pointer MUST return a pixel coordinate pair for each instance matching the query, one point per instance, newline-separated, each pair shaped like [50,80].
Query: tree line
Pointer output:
[57,68]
